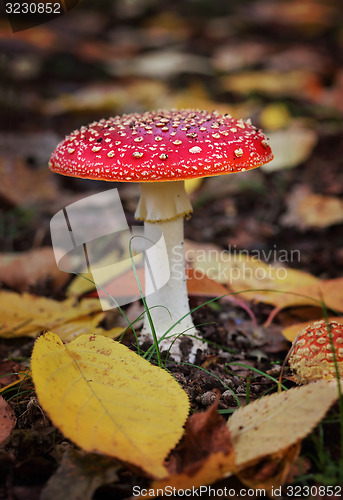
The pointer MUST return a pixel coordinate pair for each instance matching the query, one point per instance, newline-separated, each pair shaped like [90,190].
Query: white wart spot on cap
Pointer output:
[195,150]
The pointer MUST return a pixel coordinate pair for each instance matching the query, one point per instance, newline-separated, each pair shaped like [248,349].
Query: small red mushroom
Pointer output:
[312,356]
[161,149]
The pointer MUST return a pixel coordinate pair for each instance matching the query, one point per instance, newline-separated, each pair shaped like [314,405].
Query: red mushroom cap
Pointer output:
[161,146]
[312,357]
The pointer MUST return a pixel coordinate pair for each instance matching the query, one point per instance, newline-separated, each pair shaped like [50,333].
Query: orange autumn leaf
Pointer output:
[271,471]
[200,284]
[251,278]
[197,284]
[327,292]
[291,332]
[332,291]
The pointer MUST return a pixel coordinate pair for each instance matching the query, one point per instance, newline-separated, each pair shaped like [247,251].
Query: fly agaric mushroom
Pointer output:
[312,356]
[161,150]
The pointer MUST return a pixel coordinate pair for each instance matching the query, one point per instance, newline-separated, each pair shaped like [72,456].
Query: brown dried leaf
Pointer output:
[22,186]
[273,471]
[24,270]
[333,96]
[204,454]
[40,37]
[309,16]
[309,210]
[7,420]
[80,474]
[9,373]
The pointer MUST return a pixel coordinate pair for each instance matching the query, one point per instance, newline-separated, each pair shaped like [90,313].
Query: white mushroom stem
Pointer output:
[168,305]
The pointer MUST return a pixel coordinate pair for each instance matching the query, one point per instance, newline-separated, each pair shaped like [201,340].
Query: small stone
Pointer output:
[228,397]
[207,398]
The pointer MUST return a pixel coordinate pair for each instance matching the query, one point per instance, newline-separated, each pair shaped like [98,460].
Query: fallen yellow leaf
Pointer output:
[275,116]
[273,423]
[242,273]
[109,400]
[290,147]
[328,291]
[28,315]
[86,325]
[192,185]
